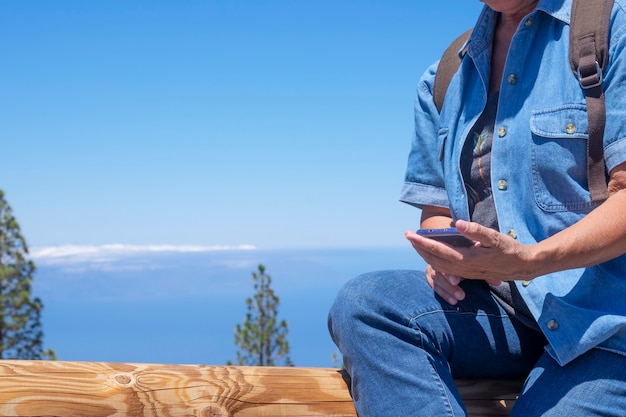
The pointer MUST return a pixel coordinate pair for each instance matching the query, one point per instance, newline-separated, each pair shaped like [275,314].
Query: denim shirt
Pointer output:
[539,168]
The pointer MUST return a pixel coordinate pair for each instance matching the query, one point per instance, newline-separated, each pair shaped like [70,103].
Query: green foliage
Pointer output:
[20,324]
[262,340]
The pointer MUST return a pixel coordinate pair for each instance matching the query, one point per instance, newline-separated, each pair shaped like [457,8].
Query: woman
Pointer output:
[542,292]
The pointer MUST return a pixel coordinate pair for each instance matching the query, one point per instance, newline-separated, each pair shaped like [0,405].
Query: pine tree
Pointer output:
[262,340]
[21,336]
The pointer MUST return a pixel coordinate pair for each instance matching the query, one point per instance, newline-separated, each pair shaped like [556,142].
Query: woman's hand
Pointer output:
[447,286]
[495,257]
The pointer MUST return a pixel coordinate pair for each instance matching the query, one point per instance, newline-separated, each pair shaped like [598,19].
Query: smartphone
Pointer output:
[449,235]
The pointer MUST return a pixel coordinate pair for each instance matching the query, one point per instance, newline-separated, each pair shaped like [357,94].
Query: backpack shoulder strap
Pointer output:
[589,37]
[589,34]
[448,66]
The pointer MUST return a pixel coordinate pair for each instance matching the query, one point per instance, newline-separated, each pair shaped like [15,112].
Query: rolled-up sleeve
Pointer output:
[615,90]
[424,180]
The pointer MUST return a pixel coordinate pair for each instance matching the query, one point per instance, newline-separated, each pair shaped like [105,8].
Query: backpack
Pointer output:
[588,55]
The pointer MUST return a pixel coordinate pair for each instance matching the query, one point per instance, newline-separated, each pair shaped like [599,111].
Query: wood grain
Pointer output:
[96,389]
[92,389]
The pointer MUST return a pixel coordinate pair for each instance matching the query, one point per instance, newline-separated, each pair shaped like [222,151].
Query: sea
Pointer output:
[180,305]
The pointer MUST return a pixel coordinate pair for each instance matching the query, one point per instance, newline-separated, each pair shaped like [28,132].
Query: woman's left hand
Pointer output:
[494,257]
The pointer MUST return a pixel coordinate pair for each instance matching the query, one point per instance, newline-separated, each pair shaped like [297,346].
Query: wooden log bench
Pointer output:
[96,389]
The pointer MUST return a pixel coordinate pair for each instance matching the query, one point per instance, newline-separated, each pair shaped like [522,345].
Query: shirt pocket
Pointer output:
[559,159]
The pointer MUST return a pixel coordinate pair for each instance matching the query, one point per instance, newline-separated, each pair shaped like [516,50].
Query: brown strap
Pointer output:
[448,66]
[588,58]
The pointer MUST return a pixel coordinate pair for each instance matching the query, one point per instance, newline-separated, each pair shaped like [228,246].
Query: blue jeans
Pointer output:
[402,345]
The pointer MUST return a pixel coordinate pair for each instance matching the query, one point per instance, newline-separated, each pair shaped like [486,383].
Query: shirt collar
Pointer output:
[483,30]
[558,9]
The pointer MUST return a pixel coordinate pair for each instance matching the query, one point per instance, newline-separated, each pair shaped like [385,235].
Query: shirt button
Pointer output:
[511,79]
[570,128]
[502,185]
[512,233]
[525,283]
[502,132]
[553,324]
[529,21]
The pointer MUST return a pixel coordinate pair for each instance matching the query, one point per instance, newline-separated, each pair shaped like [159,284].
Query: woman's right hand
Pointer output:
[445,285]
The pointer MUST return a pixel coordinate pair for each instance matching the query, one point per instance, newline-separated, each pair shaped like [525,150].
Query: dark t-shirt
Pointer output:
[476,170]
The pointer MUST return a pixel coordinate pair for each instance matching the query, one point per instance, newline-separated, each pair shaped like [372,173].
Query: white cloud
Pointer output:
[109,252]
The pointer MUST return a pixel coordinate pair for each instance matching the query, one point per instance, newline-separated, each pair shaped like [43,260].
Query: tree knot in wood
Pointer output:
[123,379]
[214,411]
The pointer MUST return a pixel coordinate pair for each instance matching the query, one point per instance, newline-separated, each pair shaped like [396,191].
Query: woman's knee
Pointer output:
[372,294]
[353,296]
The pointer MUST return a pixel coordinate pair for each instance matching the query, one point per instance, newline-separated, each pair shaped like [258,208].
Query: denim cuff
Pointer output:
[420,195]
[615,154]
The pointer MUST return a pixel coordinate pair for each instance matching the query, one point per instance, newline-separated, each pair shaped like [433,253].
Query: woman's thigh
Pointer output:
[398,309]
[402,344]
[593,385]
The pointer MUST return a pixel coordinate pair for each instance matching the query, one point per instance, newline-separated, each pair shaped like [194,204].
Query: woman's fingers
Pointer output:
[446,286]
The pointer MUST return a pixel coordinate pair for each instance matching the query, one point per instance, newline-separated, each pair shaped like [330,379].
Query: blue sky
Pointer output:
[276,124]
